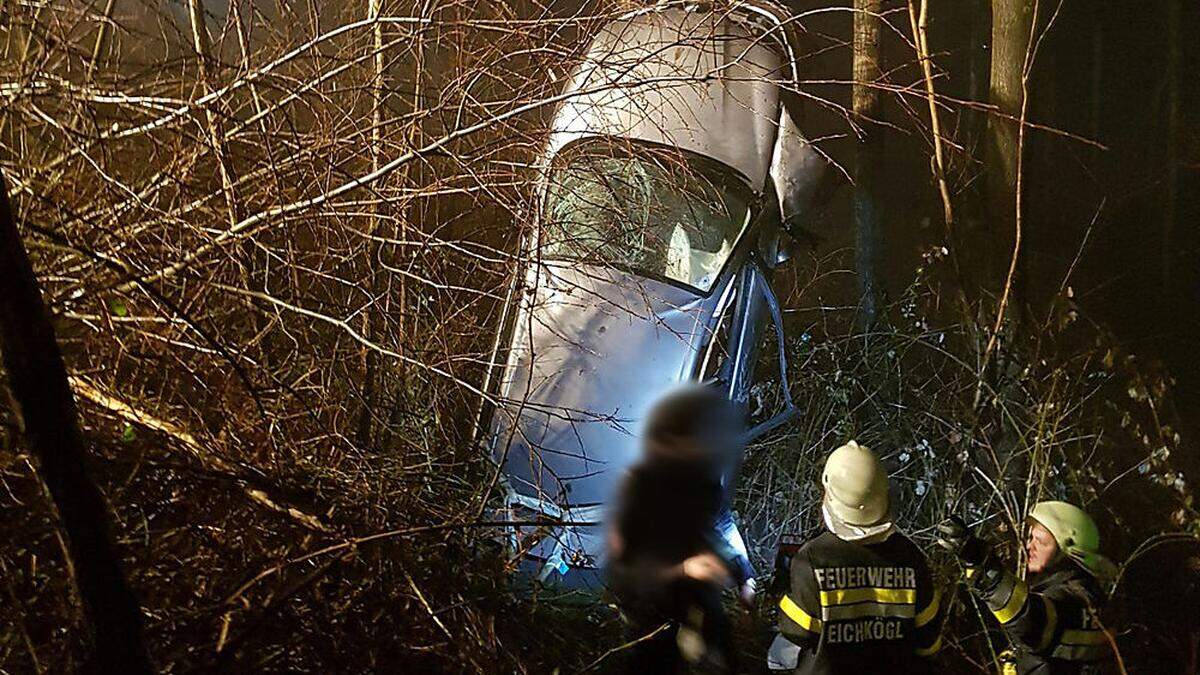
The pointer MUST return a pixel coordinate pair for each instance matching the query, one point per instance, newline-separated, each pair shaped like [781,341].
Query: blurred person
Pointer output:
[1051,616]
[860,597]
[667,561]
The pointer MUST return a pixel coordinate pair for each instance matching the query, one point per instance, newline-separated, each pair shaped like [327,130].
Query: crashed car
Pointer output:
[672,166]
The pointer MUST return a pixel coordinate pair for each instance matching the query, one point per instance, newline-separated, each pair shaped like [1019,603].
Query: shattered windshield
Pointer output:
[658,211]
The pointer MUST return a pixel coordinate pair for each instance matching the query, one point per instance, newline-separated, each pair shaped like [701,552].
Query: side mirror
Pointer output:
[783,250]
[776,249]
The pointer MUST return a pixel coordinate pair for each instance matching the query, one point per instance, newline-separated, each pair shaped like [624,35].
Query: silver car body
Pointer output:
[589,346]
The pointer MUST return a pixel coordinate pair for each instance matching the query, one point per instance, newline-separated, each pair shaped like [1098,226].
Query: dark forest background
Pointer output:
[273,240]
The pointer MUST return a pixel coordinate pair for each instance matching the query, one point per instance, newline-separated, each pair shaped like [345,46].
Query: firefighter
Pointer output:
[861,599]
[667,564]
[1050,616]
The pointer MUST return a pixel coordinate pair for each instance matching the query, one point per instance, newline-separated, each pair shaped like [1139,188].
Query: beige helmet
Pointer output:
[1075,533]
[856,487]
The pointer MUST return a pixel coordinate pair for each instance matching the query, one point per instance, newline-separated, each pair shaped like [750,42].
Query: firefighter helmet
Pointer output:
[1074,531]
[856,486]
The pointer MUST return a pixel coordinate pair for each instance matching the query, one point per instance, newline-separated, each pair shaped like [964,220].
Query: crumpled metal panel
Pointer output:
[589,353]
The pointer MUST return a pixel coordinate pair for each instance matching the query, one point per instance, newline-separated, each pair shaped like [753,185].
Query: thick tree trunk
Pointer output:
[1012,21]
[868,109]
[38,379]
[1012,25]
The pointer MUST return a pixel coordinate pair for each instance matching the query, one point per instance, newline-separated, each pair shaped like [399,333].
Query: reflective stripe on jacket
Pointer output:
[1052,619]
[852,607]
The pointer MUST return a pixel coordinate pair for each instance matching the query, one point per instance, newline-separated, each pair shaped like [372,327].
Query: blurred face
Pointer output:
[1041,548]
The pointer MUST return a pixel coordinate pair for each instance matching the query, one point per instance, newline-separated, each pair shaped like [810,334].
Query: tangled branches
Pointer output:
[276,240]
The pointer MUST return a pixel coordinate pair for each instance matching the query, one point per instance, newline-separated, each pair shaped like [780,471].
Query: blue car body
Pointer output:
[594,332]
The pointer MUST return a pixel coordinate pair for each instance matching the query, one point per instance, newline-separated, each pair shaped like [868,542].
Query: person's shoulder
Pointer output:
[905,546]
[822,544]
[810,544]
[1077,583]
[902,540]
[811,554]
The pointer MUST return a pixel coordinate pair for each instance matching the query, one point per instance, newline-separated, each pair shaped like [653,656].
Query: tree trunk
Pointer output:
[1012,21]
[1012,25]
[38,379]
[371,375]
[868,109]
[202,44]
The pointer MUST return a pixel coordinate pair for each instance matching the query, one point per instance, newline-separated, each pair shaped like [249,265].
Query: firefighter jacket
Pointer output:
[854,607]
[1051,619]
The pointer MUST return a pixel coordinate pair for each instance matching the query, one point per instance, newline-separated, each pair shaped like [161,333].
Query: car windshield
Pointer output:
[650,209]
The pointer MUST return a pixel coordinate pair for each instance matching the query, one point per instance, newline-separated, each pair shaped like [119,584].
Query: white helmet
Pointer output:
[856,490]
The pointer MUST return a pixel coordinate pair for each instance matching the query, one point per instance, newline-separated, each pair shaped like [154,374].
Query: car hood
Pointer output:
[591,349]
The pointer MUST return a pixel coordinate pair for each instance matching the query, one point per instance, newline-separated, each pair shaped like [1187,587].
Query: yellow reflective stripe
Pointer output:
[926,615]
[1051,624]
[1095,652]
[1083,637]
[795,613]
[970,572]
[931,649]
[863,609]
[847,596]
[1015,602]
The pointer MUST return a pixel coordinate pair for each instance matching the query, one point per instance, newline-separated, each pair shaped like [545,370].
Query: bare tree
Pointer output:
[1012,29]
[868,109]
[276,243]
[38,378]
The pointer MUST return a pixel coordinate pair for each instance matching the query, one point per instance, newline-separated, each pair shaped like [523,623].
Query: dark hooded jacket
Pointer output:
[668,505]
[666,511]
[1052,619]
[856,607]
